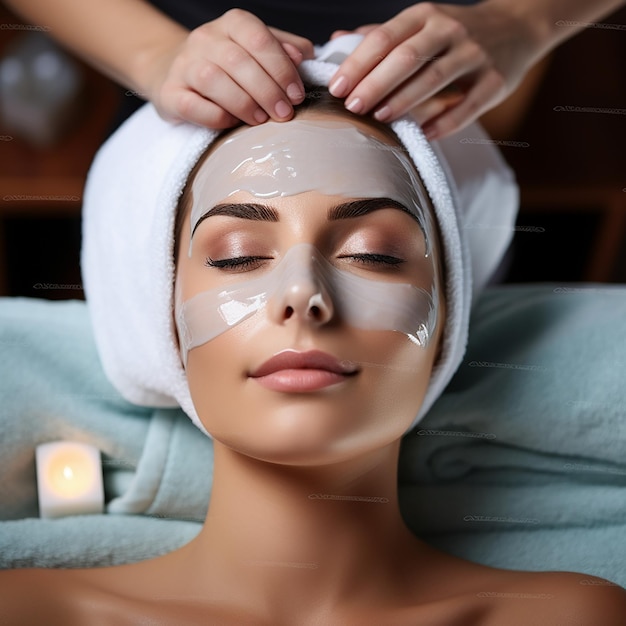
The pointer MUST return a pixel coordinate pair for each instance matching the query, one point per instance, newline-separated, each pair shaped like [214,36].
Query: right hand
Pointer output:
[233,68]
[445,64]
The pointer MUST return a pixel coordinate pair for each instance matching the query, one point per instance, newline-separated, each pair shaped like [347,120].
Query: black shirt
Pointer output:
[315,20]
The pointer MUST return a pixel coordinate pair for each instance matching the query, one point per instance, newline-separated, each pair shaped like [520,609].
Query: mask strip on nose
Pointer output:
[359,302]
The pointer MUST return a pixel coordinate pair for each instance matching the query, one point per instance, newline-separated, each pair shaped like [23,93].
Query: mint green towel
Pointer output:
[521,463]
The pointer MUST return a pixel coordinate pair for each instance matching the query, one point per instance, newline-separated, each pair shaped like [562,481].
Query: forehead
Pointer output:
[316,115]
[321,153]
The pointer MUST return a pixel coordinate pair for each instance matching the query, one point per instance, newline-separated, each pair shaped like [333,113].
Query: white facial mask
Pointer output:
[357,301]
[333,158]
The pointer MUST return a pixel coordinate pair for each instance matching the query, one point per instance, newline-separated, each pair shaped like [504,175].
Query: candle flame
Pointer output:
[69,479]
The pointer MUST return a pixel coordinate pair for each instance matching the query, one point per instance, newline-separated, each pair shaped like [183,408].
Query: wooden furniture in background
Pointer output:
[37,182]
[574,166]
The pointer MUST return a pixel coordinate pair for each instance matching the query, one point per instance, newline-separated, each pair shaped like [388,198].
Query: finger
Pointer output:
[434,57]
[339,33]
[304,45]
[488,90]
[374,48]
[294,53]
[361,30]
[253,79]
[431,108]
[188,106]
[366,29]
[459,64]
[267,53]
[211,82]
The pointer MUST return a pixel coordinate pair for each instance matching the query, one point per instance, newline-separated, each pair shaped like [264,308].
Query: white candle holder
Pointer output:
[69,479]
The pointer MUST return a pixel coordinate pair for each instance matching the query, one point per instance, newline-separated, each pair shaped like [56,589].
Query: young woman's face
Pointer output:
[305,303]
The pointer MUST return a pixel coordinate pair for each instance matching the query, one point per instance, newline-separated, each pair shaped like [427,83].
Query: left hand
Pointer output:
[445,64]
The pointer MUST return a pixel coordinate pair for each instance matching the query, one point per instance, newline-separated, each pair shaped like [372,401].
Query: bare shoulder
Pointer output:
[565,599]
[66,597]
[103,596]
[590,600]
[28,596]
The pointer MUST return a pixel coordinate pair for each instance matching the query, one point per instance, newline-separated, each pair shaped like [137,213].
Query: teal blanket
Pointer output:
[521,464]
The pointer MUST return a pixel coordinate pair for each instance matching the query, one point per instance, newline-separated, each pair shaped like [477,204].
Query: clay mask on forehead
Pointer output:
[333,158]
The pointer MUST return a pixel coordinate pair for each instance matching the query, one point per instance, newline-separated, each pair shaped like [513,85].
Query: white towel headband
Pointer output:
[131,195]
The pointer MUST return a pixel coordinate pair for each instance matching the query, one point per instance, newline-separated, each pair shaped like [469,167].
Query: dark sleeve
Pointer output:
[315,20]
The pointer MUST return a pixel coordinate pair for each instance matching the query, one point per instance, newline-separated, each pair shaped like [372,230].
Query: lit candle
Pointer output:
[69,479]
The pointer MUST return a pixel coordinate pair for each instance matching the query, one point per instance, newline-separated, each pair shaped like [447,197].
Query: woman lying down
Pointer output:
[302,291]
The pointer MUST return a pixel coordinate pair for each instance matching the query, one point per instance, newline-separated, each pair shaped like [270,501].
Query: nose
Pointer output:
[308,302]
[304,293]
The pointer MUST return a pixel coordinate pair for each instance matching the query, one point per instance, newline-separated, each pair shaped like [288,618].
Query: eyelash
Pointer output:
[375,259]
[246,262]
[240,262]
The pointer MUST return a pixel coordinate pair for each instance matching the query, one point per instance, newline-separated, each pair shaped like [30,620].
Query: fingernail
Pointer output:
[355,106]
[429,132]
[282,109]
[339,88]
[383,113]
[295,93]
[260,116]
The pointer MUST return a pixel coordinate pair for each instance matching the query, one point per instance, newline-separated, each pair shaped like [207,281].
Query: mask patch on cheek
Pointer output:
[304,279]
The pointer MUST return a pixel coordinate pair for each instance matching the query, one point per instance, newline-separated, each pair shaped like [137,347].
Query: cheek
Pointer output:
[191,276]
[214,381]
[396,372]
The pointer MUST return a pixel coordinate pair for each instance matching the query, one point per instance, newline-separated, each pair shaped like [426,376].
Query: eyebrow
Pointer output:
[358,208]
[345,210]
[247,211]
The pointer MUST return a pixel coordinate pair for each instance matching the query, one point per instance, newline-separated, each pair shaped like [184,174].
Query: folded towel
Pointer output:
[520,464]
[591,551]
[522,461]
[90,540]
[543,376]
[52,387]
[128,270]
[174,475]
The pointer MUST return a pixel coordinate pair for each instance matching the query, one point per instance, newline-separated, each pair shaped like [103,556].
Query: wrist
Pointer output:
[149,64]
[533,20]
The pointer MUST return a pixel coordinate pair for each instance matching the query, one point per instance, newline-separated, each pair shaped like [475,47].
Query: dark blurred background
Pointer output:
[563,132]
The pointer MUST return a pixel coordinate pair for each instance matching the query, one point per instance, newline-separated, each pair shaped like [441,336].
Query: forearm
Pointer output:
[122,38]
[550,22]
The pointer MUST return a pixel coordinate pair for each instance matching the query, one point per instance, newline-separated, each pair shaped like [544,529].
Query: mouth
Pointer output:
[292,371]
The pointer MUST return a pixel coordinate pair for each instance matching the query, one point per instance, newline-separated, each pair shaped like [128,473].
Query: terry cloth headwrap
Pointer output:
[129,209]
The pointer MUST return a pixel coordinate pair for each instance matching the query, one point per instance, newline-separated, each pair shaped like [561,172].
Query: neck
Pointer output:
[302,538]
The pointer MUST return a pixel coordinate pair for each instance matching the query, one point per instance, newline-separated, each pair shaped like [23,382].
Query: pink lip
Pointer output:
[290,370]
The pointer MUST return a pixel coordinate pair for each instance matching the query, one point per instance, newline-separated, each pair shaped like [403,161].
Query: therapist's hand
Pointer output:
[446,64]
[233,68]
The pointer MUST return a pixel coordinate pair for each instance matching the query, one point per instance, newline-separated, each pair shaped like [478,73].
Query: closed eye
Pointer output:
[374,259]
[236,263]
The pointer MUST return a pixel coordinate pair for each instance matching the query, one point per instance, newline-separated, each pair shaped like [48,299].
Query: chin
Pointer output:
[308,433]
